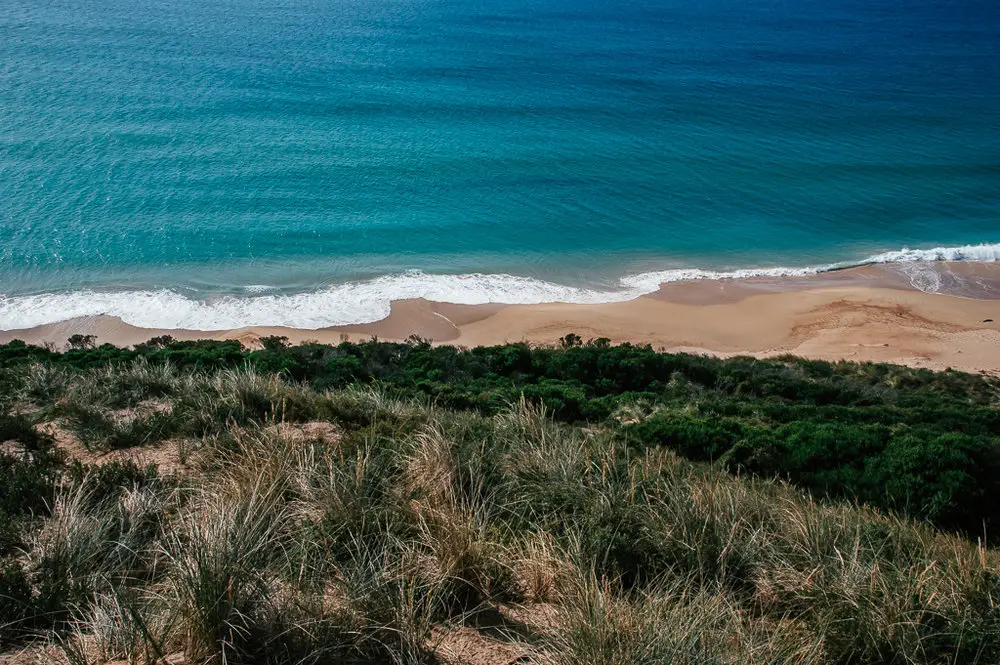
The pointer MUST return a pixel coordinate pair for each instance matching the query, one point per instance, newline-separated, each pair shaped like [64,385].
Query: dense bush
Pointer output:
[920,442]
[447,497]
[29,471]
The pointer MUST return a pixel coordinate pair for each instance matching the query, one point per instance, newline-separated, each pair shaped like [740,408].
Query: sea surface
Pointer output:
[181,163]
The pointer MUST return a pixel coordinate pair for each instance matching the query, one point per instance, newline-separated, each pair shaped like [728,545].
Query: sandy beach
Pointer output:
[872,313]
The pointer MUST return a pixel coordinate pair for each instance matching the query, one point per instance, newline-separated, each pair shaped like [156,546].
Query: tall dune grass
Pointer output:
[366,545]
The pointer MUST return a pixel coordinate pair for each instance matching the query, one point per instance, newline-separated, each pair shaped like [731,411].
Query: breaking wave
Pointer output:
[370,300]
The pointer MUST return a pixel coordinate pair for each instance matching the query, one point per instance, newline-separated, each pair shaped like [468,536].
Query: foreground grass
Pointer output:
[921,443]
[400,530]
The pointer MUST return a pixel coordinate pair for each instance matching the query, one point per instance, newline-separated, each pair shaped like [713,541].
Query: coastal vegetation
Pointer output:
[379,502]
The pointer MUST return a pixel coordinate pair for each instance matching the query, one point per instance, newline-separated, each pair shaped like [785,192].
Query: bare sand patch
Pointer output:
[171,457]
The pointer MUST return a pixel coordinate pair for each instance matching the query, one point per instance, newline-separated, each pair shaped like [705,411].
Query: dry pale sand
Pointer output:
[865,314]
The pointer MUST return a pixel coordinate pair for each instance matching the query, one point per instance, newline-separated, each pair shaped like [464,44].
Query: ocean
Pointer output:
[186,164]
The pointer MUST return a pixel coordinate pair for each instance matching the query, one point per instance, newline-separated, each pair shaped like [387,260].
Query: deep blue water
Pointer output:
[188,150]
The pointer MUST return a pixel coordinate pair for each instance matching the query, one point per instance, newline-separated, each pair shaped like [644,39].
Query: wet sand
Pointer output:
[873,313]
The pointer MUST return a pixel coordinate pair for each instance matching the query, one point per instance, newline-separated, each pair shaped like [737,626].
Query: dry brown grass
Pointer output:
[425,534]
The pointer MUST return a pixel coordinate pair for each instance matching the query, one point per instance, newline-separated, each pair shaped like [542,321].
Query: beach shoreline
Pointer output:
[871,313]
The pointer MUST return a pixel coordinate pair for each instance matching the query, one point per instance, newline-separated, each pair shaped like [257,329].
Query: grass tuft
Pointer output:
[371,525]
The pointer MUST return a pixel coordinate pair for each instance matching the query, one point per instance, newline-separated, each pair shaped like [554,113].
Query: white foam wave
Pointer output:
[367,301]
[355,302]
[650,281]
[986,253]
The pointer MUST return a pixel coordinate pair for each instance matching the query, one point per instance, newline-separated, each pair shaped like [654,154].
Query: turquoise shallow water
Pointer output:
[188,164]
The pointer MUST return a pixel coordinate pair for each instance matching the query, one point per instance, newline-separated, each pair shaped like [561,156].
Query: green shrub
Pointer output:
[407,523]
[28,479]
[108,481]
[99,429]
[18,610]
